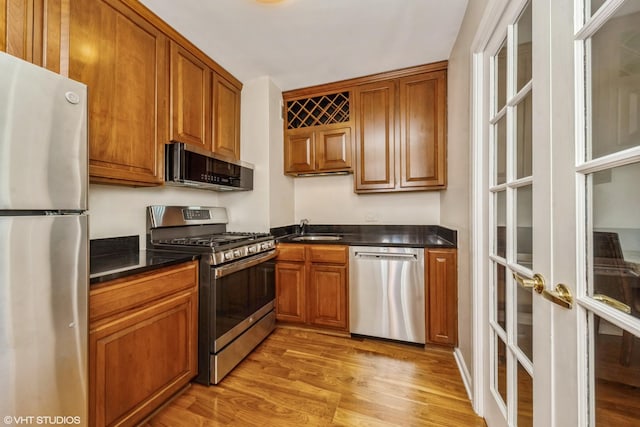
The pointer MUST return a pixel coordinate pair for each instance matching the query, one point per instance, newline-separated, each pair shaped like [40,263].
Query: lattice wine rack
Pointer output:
[319,110]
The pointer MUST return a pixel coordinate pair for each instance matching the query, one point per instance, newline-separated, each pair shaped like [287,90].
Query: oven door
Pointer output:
[243,292]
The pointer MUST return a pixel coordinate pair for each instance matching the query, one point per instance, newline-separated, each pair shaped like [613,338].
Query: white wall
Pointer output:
[261,144]
[281,202]
[121,211]
[331,200]
[455,200]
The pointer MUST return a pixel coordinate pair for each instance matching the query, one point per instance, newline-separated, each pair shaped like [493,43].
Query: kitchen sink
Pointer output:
[311,237]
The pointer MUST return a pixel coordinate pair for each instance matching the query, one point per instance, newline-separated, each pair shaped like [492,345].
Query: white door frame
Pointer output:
[493,13]
[497,12]
[559,111]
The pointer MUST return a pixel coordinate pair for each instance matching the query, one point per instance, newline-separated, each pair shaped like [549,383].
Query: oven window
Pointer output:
[239,295]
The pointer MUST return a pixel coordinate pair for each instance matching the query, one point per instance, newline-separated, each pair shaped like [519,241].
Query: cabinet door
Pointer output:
[334,149]
[422,131]
[190,99]
[375,136]
[442,296]
[290,292]
[123,60]
[138,361]
[328,296]
[36,31]
[299,151]
[16,28]
[226,118]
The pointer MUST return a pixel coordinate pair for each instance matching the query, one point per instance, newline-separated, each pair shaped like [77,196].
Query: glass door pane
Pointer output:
[615,82]
[610,171]
[511,194]
[524,48]
[524,137]
[525,398]
[501,78]
[614,261]
[617,375]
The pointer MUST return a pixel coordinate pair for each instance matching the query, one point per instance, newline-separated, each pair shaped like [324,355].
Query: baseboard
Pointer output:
[464,373]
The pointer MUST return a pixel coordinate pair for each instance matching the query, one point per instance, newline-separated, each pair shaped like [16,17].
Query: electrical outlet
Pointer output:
[370,217]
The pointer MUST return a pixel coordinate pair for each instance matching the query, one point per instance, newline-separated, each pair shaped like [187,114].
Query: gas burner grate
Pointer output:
[215,239]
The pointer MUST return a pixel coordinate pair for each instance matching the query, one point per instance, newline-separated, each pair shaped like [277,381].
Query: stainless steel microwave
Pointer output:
[193,167]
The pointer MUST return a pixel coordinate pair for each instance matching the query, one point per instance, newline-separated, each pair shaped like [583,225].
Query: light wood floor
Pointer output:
[302,378]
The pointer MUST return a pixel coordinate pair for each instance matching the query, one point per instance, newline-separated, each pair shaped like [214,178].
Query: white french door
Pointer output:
[557,132]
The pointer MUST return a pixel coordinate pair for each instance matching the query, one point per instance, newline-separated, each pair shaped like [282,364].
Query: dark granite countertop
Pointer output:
[431,236]
[118,257]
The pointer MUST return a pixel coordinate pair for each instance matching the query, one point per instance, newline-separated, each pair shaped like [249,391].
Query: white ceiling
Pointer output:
[299,43]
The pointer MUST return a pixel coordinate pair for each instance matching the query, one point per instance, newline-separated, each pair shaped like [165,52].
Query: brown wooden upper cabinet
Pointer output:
[36,31]
[317,134]
[205,107]
[400,133]
[375,106]
[190,99]
[397,121]
[124,61]
[226,118]
[148,86]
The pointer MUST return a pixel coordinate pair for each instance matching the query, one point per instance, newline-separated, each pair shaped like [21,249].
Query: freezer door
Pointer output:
[43,317]
[43,139]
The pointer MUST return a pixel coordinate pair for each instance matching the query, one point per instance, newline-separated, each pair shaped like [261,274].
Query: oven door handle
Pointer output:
[241,265]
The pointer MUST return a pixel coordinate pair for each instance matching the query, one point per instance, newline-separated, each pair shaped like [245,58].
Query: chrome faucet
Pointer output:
[303,223]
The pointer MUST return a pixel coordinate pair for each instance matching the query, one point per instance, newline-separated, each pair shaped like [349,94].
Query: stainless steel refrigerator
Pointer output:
[43,246]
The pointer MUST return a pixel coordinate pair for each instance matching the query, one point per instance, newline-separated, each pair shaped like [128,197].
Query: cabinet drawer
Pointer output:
[133,291]
[290,252]
[329,254]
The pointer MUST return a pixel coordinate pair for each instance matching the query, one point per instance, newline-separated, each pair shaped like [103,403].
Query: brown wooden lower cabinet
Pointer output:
[143,343]
[327,302]
[312,285]
[442,296]
[290,292]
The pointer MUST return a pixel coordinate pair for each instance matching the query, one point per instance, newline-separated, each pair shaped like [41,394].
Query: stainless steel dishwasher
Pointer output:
[386,293]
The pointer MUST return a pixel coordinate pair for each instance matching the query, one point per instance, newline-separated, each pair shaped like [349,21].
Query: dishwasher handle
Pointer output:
[387,256]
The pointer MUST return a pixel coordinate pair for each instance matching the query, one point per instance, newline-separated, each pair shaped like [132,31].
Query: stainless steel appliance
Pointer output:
[193,167]
[43,246]
[386,293]
[237,282]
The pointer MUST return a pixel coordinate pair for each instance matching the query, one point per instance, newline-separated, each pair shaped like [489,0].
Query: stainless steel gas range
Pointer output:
[237,282]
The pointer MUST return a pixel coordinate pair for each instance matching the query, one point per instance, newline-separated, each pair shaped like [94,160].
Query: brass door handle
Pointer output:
[612,302]
[561,295]
[536,283]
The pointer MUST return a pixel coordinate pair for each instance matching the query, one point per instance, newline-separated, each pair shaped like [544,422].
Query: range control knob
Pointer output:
[252,249]
[228,255]
[237,253]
